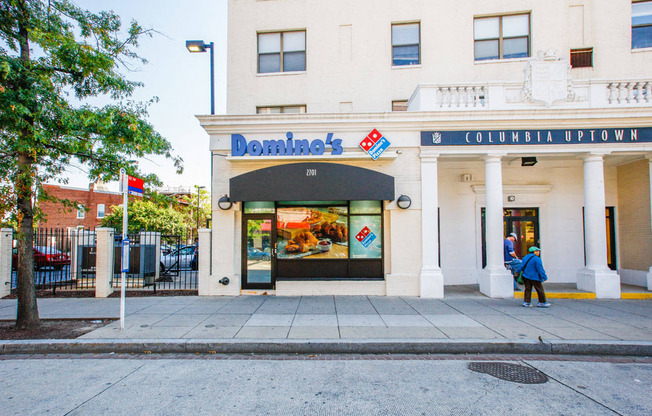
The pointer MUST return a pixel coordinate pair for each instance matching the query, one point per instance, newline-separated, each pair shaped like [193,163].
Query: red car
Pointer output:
[46,257]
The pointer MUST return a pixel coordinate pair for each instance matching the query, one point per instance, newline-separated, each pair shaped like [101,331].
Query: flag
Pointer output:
[135,186]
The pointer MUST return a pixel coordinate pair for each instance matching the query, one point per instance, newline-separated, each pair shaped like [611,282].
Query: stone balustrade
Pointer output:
[515,95]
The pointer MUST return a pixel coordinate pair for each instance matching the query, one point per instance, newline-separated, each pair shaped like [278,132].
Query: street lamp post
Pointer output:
[194,46]
[198,195]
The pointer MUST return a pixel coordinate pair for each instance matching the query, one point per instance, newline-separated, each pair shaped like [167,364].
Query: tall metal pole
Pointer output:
[212,46]
[125,252]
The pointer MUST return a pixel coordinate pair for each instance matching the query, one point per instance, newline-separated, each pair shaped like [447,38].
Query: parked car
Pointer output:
[178,259]
[256,254]
[45,257]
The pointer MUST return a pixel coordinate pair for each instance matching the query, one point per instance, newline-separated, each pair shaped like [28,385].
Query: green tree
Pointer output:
[147,216]
[54,56]
[194,215]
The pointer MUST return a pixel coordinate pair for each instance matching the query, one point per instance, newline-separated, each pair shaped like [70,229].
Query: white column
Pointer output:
[596,276]
[104,252]
[495,280]
[6,237]
[649,274]
[204,267]
[431,278]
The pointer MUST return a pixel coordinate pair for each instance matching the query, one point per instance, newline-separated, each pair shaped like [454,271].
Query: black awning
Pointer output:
[312,182]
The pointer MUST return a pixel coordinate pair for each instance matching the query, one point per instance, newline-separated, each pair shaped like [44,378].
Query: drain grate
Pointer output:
[510,372]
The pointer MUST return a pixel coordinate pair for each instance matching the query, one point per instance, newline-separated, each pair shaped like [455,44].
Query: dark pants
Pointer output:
[527,295]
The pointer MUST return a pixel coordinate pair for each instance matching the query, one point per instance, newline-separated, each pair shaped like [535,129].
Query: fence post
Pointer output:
[204,266]
[150,238]
[104,262]
[6,241]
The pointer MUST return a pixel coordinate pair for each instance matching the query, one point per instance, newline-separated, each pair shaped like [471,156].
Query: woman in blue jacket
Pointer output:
[534,276]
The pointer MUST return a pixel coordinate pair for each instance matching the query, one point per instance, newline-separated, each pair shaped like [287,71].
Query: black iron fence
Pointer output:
[52,260]
[65,260]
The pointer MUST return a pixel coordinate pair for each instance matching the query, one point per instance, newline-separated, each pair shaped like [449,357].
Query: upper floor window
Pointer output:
[401,105]
[405,44]
[100,210]
[641,24]
[581,58]
[81,212]
[502,37]
[281,109]
[282,52]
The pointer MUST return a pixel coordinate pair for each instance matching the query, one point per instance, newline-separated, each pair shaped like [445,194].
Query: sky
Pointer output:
[179,79]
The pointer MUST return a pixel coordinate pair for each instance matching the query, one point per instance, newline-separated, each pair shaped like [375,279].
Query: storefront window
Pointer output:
[312,232]
[365,207]
[366,236]
[259,207]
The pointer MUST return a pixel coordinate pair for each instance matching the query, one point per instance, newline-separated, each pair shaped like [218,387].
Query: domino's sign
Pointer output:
[365,237]
[288,146]
[374,144]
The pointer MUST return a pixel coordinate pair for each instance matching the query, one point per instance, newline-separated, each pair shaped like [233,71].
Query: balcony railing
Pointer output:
[514,95]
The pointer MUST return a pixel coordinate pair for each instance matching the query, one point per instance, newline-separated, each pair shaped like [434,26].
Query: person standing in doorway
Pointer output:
[533,276]
[511,259]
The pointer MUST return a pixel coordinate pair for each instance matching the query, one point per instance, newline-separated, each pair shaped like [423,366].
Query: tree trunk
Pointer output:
[27,312]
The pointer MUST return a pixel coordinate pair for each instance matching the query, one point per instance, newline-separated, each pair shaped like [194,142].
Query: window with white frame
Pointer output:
[81,212]
[641,24]
[282,52]
[100,210]
[406,44]
[501,37]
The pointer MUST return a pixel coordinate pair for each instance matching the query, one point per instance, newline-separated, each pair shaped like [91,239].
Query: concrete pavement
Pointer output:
[464,321]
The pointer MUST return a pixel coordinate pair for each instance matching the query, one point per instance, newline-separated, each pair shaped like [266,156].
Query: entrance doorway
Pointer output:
[522,221]
[258,256]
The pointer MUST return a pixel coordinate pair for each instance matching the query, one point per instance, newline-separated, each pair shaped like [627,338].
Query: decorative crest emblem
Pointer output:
[436,137]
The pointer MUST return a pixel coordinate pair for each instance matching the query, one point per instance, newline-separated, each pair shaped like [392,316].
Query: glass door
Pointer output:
[522,221]
[258,253]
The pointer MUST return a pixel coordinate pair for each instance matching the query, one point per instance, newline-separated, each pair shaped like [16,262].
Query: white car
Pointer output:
[179,259]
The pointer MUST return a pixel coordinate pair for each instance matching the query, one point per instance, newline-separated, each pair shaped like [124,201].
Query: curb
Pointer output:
[197,346]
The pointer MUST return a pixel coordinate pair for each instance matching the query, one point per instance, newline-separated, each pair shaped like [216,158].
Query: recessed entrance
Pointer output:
[522,221]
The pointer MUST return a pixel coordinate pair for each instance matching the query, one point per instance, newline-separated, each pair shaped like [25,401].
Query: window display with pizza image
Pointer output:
[312,232]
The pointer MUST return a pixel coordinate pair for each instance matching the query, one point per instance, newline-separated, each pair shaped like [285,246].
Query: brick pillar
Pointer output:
[6,240]
[104,262]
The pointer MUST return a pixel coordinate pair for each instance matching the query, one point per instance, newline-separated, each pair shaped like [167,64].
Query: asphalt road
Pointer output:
[318,385]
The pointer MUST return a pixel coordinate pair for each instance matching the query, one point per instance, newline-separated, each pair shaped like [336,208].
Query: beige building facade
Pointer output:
[521,117]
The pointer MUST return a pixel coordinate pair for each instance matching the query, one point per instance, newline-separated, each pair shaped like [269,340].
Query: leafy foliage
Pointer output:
[54,56]
[147,216]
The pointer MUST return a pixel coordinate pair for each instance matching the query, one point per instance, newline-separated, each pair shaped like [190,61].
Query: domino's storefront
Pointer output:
[383,204]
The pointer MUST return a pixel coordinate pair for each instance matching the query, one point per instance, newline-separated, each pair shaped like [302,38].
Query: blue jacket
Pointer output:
[534,268]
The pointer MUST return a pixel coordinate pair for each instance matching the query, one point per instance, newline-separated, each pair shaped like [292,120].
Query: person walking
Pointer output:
[511,259]
[533,276]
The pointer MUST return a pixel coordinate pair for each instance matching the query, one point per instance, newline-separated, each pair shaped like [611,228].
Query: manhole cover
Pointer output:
[510,372]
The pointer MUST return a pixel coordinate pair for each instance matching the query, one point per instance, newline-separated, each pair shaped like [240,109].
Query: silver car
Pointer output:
[178,259]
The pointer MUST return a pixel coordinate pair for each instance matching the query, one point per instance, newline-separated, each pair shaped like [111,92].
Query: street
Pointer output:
[319,385]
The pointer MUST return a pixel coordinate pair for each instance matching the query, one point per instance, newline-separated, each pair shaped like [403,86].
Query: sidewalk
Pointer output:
[463,322]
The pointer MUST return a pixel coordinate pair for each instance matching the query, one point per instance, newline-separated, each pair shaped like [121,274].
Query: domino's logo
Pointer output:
[374,144]
[365,237]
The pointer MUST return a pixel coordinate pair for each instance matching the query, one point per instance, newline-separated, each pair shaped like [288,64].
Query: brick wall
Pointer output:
[57,216]
[634,216]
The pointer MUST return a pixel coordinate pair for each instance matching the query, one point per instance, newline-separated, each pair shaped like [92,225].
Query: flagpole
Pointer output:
[125,250]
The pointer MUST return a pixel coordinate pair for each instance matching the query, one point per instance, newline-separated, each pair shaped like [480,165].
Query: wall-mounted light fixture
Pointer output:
[511,198]
[224,203]
[528,161]
[404,202]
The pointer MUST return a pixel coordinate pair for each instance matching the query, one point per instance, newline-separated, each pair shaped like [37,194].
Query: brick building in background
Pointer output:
[94,202]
